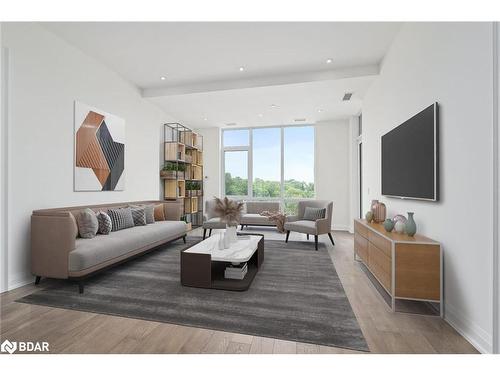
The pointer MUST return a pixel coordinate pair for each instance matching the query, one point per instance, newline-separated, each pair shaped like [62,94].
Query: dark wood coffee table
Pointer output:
[203,265]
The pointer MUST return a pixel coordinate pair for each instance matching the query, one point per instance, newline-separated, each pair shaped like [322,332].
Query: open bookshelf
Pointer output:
[182,173]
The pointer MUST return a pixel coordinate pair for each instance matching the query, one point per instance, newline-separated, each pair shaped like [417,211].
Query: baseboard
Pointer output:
[20,281]
[341,227]
[474,334]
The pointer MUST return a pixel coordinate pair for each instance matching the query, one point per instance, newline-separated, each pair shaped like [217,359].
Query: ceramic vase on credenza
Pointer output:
[410,225]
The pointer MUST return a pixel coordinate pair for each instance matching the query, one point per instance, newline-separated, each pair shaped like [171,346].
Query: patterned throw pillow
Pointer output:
[139,215]
[121,218]
[159,212]
[149,212]
[87,223]
[314,214]
[105,225]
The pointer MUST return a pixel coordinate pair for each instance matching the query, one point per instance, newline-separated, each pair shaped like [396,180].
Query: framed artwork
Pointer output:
[99,163]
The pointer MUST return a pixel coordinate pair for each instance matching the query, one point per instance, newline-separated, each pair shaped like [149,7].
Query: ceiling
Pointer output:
[284,63]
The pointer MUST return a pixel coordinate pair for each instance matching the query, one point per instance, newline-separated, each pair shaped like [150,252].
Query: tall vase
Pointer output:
[410,226]
[230,236]
[380,212]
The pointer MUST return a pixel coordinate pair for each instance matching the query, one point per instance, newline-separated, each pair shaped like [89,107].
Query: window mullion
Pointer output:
[282,162]
[250,165]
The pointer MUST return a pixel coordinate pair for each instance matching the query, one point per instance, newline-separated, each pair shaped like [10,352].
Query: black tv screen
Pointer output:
[410,167]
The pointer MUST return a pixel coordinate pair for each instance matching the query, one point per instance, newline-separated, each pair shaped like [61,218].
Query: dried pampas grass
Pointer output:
[228,210]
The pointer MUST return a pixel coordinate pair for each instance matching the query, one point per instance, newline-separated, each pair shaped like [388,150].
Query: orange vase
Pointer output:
[380,212]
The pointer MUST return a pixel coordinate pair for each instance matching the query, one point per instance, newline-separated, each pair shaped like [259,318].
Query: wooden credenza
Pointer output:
[408,268]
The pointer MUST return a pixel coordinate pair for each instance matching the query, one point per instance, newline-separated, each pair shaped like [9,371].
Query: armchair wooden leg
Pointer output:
[287,235]
[184,238]
[209,232]
[204,232]
[242,225]
[37,280]
[80,287]
[316,241]
[307,236]
[331,238]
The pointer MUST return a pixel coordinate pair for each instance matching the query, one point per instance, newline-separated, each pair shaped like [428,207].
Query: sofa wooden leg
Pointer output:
[37,280]
[80,287]
[287,235]
[209,232]
[204,232]
[307,236]
[316,241]
[184,238]
[242,225]
[331,238]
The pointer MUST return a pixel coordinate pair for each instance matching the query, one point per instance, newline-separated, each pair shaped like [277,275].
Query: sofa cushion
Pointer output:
[139,215]
[313,213]
[121,218]
[214,223]
[87,223]
[91,252]
[302,226]
[159,213]
[257,207]
[105,224]
[255,219]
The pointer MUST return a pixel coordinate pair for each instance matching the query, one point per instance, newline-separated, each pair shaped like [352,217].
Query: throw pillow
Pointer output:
[105,225]
[314,214]
[149,212]
[159,213]
[139,215]
[87,223]
[121,218]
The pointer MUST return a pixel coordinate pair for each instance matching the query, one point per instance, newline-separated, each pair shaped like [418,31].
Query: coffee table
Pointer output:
[203,264]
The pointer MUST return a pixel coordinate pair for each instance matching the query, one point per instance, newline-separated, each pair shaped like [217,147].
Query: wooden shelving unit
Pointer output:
[182,174]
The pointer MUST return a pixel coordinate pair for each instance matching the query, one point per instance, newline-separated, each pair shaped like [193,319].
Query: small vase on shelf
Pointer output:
[410,225]
[388,225]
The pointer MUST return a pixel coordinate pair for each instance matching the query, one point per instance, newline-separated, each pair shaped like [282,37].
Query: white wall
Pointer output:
[450,63]
[211,162]
[46,75]
[3,169]
[333,171]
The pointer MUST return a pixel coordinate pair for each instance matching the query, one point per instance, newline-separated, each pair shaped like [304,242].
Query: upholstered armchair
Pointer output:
[210,220]
[297,223]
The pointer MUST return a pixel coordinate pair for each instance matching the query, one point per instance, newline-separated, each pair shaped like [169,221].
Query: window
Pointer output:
[266,151]
[274,163]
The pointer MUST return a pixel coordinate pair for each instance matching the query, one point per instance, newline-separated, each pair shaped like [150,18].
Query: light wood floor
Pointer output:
[81,332]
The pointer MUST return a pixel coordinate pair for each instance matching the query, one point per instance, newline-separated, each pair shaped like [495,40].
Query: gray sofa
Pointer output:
[250,216]
[58,252]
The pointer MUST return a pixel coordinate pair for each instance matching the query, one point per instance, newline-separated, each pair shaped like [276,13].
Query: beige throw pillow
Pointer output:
[87,223]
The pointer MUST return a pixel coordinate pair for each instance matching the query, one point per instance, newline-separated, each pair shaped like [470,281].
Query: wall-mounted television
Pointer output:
[410,158]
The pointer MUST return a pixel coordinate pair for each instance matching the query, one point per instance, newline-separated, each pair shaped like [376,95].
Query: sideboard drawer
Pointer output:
[380,264]
[360,229]
[361,247]
[382,243]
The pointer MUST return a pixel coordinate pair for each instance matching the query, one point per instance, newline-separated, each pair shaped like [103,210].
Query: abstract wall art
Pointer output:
[99,150]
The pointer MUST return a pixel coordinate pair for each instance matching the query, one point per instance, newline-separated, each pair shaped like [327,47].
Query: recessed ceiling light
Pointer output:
[163,78]
[329,61]
[206,119]
[320,110]
[242,68]
[274,106]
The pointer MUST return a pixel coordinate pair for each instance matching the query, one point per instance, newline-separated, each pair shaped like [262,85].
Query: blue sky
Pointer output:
[299,153]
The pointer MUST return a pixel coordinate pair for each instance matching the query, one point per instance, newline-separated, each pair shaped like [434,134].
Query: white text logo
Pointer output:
[24,346]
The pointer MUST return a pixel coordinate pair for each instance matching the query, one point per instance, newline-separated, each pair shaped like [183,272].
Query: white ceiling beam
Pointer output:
[271,80]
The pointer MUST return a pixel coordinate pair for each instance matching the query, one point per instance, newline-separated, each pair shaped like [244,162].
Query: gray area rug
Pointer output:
[296,295]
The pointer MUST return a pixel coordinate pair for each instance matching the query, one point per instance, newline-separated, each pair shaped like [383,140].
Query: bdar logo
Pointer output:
[9,347]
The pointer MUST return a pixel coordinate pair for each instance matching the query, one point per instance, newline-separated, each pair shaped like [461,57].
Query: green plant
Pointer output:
[169,166]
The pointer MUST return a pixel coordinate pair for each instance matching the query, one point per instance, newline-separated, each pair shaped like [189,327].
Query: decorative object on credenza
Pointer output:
[399,227]
[369,216]
[229,212]
[99,143]
[379,214]
[388,225]
[373,206]
[399,218]
[410,226]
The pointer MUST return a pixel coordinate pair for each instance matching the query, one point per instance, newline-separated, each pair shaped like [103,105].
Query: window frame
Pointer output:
[249,197]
